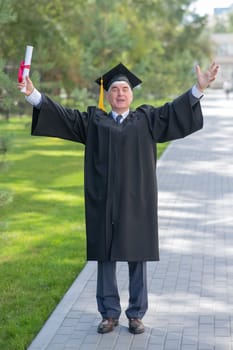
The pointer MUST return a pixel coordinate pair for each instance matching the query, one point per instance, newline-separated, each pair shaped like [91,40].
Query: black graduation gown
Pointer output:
[120,170]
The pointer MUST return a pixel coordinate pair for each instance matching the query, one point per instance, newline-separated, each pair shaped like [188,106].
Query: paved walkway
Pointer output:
[191,288]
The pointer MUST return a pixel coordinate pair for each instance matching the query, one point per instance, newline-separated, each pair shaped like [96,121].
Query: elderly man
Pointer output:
[120,178]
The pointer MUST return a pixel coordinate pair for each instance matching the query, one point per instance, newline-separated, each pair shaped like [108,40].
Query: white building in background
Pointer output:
[219,11]
[223,46]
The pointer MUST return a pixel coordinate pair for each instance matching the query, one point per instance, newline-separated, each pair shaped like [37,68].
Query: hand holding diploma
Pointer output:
[24,68]
[26,86]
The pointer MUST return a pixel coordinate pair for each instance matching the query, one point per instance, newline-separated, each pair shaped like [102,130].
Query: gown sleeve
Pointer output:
[174,120]
[53,120]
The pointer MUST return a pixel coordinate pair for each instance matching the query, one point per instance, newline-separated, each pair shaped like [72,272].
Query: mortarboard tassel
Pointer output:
[101,96]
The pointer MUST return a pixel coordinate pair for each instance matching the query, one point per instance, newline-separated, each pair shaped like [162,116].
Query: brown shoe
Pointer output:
[136,326]
[107,325]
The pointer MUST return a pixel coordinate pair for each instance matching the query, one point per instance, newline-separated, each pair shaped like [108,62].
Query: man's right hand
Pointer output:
[29,86]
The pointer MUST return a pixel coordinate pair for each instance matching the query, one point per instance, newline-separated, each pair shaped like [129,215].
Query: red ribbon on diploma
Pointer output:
[21,69]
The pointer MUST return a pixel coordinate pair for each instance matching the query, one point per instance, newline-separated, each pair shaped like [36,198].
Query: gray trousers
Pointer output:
[107,295]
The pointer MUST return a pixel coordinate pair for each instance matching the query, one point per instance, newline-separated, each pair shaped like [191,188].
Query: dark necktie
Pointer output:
[118,119]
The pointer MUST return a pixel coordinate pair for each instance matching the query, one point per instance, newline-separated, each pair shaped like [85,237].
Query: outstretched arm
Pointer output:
[204,79]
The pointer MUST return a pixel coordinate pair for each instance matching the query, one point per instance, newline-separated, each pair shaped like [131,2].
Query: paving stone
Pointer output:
[189,347]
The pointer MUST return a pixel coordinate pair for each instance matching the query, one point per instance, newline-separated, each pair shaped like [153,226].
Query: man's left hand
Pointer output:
[204,79]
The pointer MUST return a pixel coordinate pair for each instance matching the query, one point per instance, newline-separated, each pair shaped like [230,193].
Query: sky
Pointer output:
[207,6]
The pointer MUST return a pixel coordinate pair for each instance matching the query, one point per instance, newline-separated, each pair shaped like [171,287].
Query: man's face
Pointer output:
[120,96]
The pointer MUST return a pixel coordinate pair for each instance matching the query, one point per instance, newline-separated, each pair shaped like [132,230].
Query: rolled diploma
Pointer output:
[27,61]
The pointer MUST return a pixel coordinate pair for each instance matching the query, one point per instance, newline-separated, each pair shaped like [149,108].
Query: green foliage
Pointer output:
[224,24]
[7,13]
[74,42]
[80,98]
[8,93]
[7,90]
[230,23]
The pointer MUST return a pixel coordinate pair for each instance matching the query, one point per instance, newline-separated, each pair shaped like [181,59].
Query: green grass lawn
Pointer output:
[42,229]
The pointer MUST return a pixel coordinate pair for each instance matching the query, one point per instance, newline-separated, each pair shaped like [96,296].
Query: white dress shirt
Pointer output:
[124,115]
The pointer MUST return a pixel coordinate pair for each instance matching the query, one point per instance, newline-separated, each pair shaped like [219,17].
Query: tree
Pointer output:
[75,42]
[7,89]
[6,16]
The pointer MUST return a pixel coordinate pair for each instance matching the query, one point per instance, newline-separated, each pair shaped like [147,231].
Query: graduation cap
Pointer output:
[117,73]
